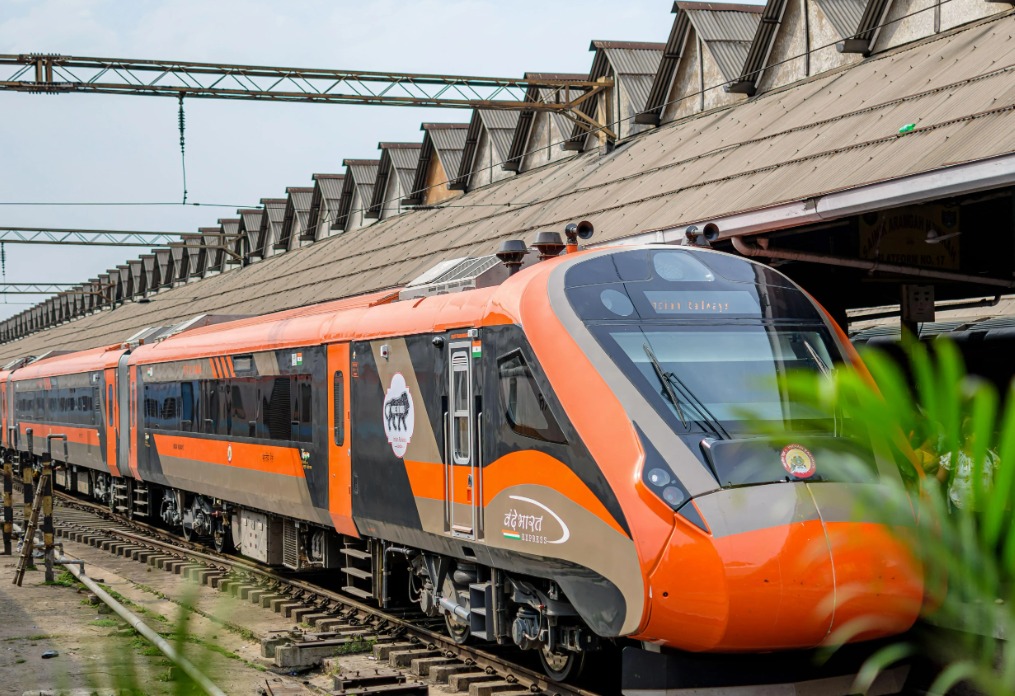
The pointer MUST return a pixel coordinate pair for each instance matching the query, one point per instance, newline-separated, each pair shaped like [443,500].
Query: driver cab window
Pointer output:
[524,405]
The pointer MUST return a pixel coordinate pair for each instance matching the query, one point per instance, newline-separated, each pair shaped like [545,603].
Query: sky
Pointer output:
[105,148]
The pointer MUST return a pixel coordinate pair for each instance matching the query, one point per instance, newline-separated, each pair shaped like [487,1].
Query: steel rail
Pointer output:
[310,593]
[135,622]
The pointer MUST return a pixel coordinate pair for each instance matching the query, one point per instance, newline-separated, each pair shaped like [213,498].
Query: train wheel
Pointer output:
[459,632]
[458,628]
[221,537]
[563,666]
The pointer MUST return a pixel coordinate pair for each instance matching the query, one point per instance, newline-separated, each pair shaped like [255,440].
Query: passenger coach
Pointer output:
[557,458]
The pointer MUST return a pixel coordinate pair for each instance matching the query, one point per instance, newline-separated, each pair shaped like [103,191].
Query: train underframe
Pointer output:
[478,603]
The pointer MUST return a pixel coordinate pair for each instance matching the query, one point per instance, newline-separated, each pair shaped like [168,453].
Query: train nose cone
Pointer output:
[780,572]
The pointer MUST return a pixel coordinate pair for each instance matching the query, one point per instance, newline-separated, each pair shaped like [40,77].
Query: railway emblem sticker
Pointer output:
[538,526]
[398,415]
[798,461]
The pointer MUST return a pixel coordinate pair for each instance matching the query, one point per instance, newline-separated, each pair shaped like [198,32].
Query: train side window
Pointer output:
[339,400]
[275,424]
[524,405]
[187,406]
[306,412]
[461,432]
[109,404]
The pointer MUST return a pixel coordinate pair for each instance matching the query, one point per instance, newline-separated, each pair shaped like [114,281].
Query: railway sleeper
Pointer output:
[476,603]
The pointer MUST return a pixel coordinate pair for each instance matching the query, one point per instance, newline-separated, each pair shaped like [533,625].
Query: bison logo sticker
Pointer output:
[398,415]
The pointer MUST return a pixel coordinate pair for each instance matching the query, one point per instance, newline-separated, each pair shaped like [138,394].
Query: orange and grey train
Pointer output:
[558,461]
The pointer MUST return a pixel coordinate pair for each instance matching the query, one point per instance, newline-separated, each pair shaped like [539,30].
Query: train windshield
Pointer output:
[725,375]
[705,336]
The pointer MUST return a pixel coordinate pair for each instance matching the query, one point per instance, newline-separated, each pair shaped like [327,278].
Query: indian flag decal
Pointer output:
[477,349]
[508,534]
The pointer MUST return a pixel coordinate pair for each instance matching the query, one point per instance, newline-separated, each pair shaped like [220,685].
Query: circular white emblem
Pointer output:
[398,415]
[798,461]
[229,454]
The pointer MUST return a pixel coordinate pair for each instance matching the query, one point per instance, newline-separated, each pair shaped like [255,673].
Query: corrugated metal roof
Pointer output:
[727,34]
[300,197]
[331,187]
[250,231]
[449,137]
[271,224]
[499,128]
[230,226]
[761,46]
[844,15]
[626,62]
[359,176]
[833,132]
[294,221]
[723,22]
[404,161]
[520,139]
[637,87]
[398,160]
[212,237]
[631,61]
[449,143]
[250,219]
[324,202]
[658,93]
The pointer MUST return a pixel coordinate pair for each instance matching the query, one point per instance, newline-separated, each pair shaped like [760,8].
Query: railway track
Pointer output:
[325,623]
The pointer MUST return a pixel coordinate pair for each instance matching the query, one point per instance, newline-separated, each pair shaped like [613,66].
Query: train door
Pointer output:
[339,440]
[463,471]
[109,421]
[123,416]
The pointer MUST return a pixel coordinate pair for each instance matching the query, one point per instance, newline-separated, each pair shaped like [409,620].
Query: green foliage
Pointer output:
[64,579]
[357,645]
[935,415]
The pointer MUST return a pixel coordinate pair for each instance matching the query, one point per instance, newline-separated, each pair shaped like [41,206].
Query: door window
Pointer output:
[461,430]
[339,398]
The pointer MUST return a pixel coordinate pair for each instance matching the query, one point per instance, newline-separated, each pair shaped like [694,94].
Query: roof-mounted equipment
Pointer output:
[693,236]
[548,244]
[574,232]
[511,253]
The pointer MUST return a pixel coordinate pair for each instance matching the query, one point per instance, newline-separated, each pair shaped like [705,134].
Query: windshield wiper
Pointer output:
[669,380]
[667,385]
[827,372]
[822,365]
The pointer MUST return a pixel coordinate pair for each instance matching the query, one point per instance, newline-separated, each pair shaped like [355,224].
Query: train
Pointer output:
[553,456]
